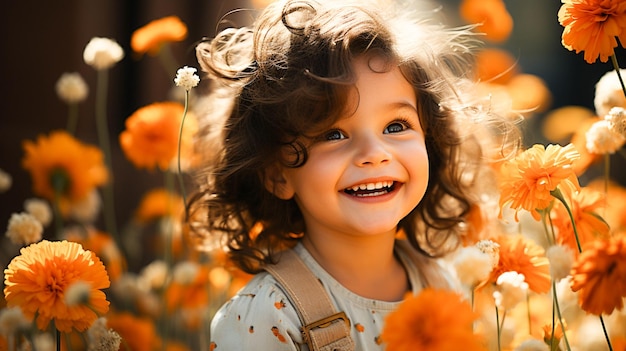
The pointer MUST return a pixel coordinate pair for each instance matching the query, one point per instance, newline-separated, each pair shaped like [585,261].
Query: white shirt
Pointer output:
[260,317]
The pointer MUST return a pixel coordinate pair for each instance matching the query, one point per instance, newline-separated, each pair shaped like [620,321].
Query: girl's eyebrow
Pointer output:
[402,104]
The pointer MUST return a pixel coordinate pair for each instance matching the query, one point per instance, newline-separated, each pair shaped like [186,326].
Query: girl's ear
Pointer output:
[276,182]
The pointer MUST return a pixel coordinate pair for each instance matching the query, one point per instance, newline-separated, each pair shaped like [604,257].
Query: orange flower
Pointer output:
[496,22]
[592,26]
[158,203]
[153,35]
[139,334]
[62,163]
[151,136]
[599,275]
[584,206]
[103,245]
[528,180]
[192,295]
[524,257]
[37,279]
[432,320]
[495,66]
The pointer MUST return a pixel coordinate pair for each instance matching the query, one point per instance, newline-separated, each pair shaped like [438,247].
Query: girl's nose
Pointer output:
[371,151]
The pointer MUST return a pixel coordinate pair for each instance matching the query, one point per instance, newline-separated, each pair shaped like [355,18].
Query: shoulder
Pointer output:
[258,317]
[433,272]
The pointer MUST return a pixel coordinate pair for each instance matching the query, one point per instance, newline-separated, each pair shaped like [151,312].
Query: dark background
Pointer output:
[43,39]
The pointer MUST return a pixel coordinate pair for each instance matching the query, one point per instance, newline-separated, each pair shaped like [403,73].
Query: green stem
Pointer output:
[72,119]
[619,75]
[528,313]
[499,329]
[558,311]
[606,334]
[180,137]
[103,138]
[558,195]
[167,59]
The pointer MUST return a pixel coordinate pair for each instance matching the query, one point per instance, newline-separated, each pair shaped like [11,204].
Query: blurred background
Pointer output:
[43,39]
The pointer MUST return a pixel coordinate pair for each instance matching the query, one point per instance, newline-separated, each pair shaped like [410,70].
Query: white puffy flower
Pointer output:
[472,265]
[617,120]
[101,338]
[154,275]
[561,261]
[71,88]
[532,345]
[39,209]
[77,293]
[40,342]
[5,181]
[87,209]
[12,320]
[511,290]
[102,53]
[492,249]
[602,140]
[24,229]
[186,77]
[609,93]
[185,272]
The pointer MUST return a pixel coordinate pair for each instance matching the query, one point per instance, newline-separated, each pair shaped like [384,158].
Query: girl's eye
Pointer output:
[396,127]
[333,135]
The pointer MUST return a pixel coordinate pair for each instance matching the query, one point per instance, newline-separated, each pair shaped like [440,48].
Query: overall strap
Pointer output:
[324,329]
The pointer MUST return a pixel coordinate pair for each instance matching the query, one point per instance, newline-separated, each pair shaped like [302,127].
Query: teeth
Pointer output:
[372,186]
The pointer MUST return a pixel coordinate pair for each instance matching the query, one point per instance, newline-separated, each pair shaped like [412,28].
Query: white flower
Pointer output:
[24,229]
[186,77]
[561,261]
[472,265]
[71,88]
[12,320]
[512,290]
[5,181]
[609,93]
[617,120]
[102,53]
[39,209]
[492,249]
[602,140]
[185,272]
[77,293]
[154,275]
[87,209]
[101,338]
[532,345]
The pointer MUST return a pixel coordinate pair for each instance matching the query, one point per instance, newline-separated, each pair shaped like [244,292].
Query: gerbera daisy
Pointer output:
[584,205]
[528,180]
[151,136]
[599,275]
[523,256]
[592,26]
[38,278]
[153,35]
[61,165]
[432,320]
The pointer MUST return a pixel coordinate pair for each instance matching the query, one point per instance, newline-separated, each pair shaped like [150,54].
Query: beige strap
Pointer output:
[324,329]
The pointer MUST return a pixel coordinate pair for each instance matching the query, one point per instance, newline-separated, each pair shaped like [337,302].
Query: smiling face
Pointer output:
[370,169]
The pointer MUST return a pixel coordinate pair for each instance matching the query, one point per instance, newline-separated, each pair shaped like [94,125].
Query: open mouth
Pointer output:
[371,189]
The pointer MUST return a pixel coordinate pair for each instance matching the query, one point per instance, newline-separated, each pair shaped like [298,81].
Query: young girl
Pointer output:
[349,139]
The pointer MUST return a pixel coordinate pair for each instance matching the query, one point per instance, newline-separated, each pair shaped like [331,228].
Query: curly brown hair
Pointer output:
[286,76]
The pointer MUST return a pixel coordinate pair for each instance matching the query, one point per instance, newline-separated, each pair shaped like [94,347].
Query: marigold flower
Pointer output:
[158,203]
[153,35]
[599,275]
[38,278]
[24,229]
[528,180]
[523,256]
[139,334]
[431,320]
[585,206]
[102,53]
[495,20]
[61,160]
[151,136]
[188,292]
[592,26]
[495,66]
[103,245]
[71,88]
[187,78]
